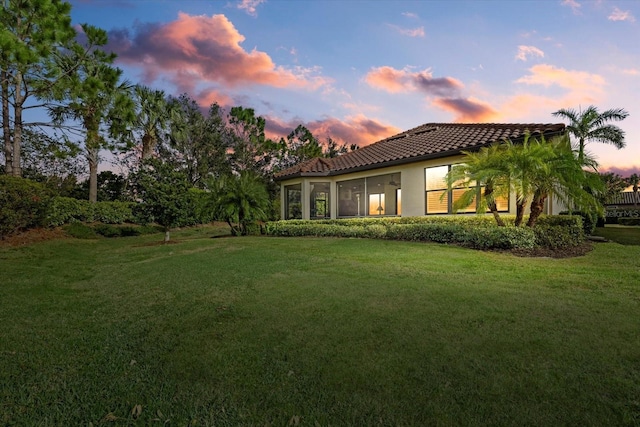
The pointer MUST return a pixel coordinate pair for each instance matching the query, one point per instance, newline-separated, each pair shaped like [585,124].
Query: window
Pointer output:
[440,200]
[319,200]
[371,196]
[293,201]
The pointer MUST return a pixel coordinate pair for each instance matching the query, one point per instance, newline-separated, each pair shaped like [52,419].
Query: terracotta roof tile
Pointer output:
[431,140]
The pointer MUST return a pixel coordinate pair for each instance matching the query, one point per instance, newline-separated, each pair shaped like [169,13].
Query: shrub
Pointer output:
[65,210]
[80,231]
[556,232]
[107,230]
[589,220]
[629,221]
[23,204]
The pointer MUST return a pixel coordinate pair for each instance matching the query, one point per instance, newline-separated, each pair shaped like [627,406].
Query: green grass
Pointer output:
[278,331]
[625,235]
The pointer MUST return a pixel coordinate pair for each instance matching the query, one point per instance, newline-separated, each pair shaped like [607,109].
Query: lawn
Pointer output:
[315,331]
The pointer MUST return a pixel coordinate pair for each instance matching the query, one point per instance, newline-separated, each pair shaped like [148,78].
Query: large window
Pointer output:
[319,200]
[440,200]
[293,201]
[371,196]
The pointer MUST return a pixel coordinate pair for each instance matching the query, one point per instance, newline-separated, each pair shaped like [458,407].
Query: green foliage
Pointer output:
[473,232]
[561,231]
[164,194]
[80,230]
[240,200]
[65,210]
[591,125]
[589,220]
[629,221]
[23,204]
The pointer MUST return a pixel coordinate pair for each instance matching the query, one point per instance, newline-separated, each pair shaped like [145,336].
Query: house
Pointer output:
[402,175]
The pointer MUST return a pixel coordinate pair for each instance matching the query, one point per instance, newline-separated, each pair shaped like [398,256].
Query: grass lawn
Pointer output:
[625,235]
[315,331]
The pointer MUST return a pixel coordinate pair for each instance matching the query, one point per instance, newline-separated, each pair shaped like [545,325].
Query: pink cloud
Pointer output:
[208,48]
[621,15]
[623,171]
[548,75]
[411,32]
[394,81]
[358,129]
[524,52]
[467,110]
[573,4]
[250,6]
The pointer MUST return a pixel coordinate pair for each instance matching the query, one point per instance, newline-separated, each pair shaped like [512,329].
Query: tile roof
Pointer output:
[428,141]
[624,198]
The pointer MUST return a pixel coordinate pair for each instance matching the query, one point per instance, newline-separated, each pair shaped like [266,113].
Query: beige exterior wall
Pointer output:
[412,183]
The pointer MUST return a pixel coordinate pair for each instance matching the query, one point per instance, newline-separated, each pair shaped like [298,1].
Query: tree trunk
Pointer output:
[519,213]
[537,206]
[493,207]
[92,157]
[16,169]
[167,235]
[148,144]
[6,128]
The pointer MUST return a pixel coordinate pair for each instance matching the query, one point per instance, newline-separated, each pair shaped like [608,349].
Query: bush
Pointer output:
[556,232]
[107,230]
[80,231]
[23,204]
[629,221]
[66,210]
[589,220]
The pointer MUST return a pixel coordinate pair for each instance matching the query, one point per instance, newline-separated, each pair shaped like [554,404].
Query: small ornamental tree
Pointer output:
[241,200]
[163,192]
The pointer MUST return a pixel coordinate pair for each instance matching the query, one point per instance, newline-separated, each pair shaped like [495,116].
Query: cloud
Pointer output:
[411,32]
[548,75]
[358,129]
[573,4]
[624,172]
[250,6]
[410,15]
[631,71]
[394,81]
[620,15]
[204,49]
[467,109]
[526,51]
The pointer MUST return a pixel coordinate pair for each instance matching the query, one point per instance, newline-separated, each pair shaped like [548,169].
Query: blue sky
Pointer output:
[360,71]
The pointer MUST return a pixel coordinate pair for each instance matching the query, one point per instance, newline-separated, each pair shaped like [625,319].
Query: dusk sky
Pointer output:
[360,71]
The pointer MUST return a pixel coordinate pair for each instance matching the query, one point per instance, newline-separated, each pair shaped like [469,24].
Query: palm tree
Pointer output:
[486,168]
[591,125]
[154,116]
[241,200]
[634,180]
[534,170]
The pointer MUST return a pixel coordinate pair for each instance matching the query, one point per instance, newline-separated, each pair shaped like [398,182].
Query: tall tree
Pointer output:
[591,125]
[198,142]
[250,149]
[613,184]
[299,146]
[154,116]
[32,34]
[97,99]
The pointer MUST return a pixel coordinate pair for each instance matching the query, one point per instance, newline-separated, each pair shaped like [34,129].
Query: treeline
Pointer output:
[47,65]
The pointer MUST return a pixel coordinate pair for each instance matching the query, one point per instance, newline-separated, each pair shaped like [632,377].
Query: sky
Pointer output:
[360,71]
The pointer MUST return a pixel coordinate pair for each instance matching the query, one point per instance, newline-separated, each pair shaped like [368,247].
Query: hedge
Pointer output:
[64,210]
[473,232]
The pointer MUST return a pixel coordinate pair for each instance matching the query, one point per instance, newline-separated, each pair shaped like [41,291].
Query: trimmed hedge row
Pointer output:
[473,232]
[64,210]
